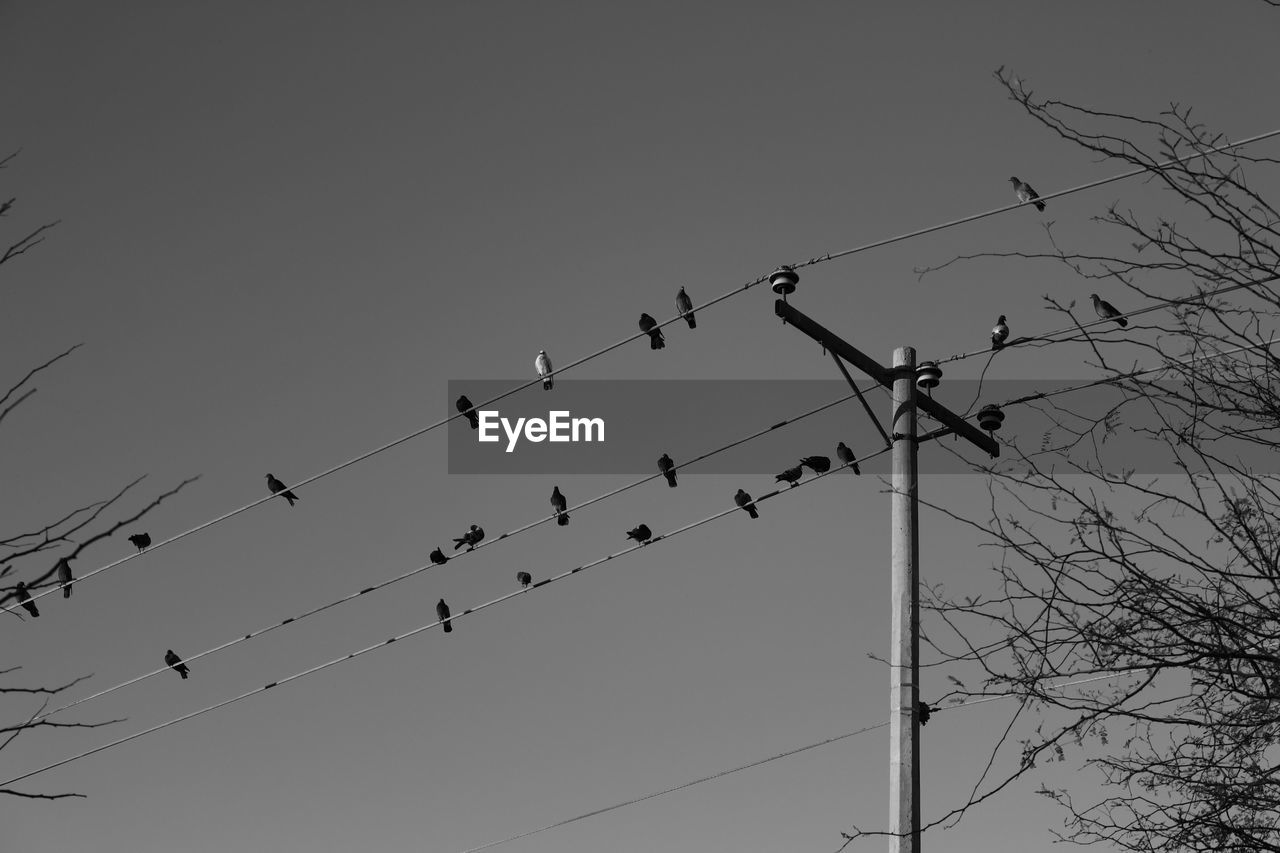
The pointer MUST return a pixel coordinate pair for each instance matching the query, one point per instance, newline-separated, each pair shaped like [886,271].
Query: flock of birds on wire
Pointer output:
[641,534]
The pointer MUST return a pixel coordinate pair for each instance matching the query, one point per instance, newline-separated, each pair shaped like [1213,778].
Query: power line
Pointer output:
[1049,337]
[741,767]
[298,675]
[428,566]
[830,256]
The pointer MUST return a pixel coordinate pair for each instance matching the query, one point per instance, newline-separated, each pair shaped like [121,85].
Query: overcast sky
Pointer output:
[286,227]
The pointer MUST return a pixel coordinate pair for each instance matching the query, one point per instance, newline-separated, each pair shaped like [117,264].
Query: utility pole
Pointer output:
[904,669]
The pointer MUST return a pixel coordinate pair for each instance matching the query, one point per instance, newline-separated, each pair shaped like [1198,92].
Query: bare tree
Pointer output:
[1138,523]
[29,555]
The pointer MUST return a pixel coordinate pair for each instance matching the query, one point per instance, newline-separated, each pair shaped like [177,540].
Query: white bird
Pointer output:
[543,365]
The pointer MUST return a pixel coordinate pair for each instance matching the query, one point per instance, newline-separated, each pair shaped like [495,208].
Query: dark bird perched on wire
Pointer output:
[141,541]
[668,468]
[543,365]
[524,578]
[559,504]
[743,500]
[464,406]
[438,557]
[1000,333]
[685,306]
[925,712]
[846,457]
[64,575]
[24,598]
[817,464]
[1106,310]
[641,534]
[278,488]
[791,475]
[175,663]
[650,325]
[1025,194]
[442,613]
[471,538]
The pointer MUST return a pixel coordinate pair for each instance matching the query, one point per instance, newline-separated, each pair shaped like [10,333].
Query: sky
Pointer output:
[286,228]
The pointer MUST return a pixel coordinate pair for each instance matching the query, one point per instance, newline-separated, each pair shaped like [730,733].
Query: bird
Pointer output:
[817,464]
[464,406]
[1025,194]
[471,538]
[743,500]
[524,578]
[442,613]
[543,364]
[64,575]
[925,712]
[278,488]
[141,541]
[559,504]
[24,598]
[438,557]
[685,306]
[791,475]
[1000,333]
[845,455]
[1106,310]
[650,325]
[641,534]
[668,469]
[175,663]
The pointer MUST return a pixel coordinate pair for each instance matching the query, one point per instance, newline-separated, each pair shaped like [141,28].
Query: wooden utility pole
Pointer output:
[904,669]
[904,591]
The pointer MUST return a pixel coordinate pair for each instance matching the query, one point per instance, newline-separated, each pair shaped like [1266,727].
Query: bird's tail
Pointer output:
[671,478]
[291,498]
[688,318]
[66,591]
[458,543]
[33,610]
[546,384]
[656,340]
[1040,206]
[448,629]
[1122,321]
[751,510]
[996,345]
[474,419]
[562,519]
[184,673]
[855,469]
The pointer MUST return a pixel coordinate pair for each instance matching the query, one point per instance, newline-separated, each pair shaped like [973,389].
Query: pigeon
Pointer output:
[442,613]
[558,503]
[791,475]
[845,455]
[650,325]
[817,464]
[278,488]
[925,712]
[524,578]
[471,538]
[464,406]
[24,598]
[438,557]
[1025,194]
[743,500]
[175,663]
[685,306]
[641,534]
[668,469]
[999,334]
[64,576]
[1106,310]
[543,364]
[141,541]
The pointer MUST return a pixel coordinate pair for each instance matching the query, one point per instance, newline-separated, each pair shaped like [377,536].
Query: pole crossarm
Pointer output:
[842,348]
